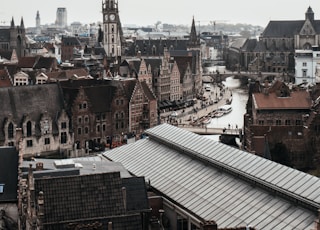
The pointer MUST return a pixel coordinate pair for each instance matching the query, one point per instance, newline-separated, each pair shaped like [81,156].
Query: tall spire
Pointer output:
[12,23]
[310,14]
[194,40]
[22,23]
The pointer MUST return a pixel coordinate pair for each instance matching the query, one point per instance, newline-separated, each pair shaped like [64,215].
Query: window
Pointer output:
[47,141]
[86,130]
[98,128]
[79,120]
[84,105]
[29,129]
[304,64]
[261,122]
[63,138]
[86,119]
[29,143]
[298,122]
[287,122]
[103,127]
[103,116]
[98,117]
[80,106]
[1,188]
[10,130]
[278,122]
[270,122]
[304,73]
[63,125]
[79,131]
[11,143]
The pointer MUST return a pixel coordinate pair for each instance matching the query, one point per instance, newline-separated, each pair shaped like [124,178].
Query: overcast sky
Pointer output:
[148,12]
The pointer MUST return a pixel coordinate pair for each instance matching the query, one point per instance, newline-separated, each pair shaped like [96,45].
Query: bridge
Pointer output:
[245,75]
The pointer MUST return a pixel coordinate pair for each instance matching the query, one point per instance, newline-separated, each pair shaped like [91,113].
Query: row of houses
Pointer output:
[75,117]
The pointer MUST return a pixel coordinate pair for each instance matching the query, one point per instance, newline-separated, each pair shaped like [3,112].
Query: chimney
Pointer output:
[110,225]
[39,166]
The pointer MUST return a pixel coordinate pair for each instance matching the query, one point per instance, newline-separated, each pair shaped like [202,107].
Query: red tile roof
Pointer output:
[296,100]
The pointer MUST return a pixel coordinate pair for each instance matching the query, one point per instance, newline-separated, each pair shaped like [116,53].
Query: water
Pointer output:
[235,117]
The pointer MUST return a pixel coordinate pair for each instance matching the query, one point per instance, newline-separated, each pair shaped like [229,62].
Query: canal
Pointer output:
[239,101]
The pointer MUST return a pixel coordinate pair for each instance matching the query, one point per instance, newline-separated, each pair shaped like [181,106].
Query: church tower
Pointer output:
[38,30]
[112,31]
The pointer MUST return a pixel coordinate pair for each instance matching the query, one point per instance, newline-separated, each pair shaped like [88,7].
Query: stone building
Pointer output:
[275,124]
[40,113]
[13,38]
[275,49]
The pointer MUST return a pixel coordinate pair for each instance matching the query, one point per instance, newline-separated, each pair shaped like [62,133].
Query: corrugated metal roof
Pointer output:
[221,183]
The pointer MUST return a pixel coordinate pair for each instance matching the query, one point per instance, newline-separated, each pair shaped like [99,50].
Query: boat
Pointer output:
[225,109]
[206,120]
[207,87]
[217,114]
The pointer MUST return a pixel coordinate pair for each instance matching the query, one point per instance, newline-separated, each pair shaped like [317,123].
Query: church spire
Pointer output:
[22,23]
[310,14]
[194,39]
[12,23]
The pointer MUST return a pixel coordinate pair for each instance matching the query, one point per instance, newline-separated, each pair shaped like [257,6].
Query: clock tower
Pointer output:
[112,30]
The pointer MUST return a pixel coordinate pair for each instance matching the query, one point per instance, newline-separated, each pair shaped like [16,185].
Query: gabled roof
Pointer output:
[147,91]
[45,63]
[27,62]
[283,28]
[100,97]
[8,174]
[215,182]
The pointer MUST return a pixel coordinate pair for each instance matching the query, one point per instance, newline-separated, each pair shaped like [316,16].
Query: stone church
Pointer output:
[13,38]
[275,49]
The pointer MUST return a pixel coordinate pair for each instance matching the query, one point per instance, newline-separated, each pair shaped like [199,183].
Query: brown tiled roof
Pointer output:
[296,100]
[26,62]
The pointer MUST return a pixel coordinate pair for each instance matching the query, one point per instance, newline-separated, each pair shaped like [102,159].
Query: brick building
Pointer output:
[108,111]
[275,124]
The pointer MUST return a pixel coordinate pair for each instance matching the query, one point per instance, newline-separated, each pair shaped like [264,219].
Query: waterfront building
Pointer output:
[276,123]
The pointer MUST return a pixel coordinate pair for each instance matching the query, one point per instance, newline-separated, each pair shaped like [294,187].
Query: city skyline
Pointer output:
[166,11]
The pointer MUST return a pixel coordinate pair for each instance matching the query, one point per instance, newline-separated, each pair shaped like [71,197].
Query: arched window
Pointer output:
[10,130]
[29,129]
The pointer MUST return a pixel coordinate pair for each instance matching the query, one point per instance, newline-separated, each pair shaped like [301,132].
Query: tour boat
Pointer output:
[225,109]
